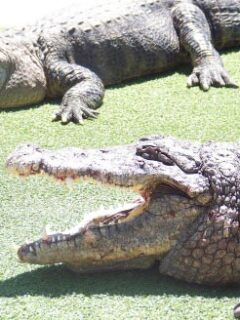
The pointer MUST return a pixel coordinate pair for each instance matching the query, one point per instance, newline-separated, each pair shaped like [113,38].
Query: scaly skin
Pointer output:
[74,55]
[187,217]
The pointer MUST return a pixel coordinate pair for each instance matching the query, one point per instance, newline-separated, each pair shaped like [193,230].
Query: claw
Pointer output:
[55,118]
[192,80]
[74,113]
[89,113]
[66,116]
[47,231]
[205,86]
[80,121]
[64,120]
[210,72]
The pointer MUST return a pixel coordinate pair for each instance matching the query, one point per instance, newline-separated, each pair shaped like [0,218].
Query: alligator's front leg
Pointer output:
[195,36]
[82,89]
[83,92]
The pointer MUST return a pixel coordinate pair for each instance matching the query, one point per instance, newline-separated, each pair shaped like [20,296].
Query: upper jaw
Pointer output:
[116,165]
[125,166]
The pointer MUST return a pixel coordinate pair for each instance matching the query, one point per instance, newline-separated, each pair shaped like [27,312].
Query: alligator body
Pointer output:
[186,218]
[79,51]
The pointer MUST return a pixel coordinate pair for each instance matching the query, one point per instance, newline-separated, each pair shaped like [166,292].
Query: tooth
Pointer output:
[45,235]
[31,249]
[47,231]
[37,244]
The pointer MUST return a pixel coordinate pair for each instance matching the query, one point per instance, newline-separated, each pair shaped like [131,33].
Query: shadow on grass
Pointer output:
[57,281]
[33,106]
[184,70]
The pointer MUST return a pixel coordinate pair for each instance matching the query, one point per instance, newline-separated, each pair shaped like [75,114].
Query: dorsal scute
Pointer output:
[220,163]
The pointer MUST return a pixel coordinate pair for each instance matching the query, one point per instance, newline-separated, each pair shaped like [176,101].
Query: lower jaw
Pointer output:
[52,240]
[97,244]
[142,263]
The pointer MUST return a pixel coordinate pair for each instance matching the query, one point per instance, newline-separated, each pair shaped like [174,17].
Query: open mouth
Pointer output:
[135,234]
[170,199]
[186,219]
[98,219]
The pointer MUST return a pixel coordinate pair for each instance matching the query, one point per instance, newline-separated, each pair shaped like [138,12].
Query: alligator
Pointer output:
[84,48]
[186,217]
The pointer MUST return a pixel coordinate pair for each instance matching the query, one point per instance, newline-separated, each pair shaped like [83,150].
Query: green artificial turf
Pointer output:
[148,106]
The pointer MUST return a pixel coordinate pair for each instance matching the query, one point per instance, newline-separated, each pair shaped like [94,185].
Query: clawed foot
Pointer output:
[75,112]
[210,72]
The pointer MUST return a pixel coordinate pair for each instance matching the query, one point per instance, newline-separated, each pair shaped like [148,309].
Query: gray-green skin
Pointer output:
[75,54]
[187,218]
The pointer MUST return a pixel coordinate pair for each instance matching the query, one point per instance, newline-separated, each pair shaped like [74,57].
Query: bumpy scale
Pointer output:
[82,49]
[187,217]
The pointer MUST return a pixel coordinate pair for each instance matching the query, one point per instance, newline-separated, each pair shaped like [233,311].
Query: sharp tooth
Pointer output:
[47,231]
[37,244]
[45,235]
[31,249]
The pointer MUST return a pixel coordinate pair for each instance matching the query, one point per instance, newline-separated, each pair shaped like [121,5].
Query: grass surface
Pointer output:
[156,105]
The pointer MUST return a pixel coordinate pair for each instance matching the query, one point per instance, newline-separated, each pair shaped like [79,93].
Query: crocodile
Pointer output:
[185,218]
[82,49]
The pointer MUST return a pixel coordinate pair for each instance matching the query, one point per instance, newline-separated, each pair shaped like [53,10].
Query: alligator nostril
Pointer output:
[22,251]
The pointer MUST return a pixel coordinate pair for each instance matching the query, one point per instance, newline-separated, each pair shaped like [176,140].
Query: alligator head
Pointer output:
[186,216]
[22,80]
